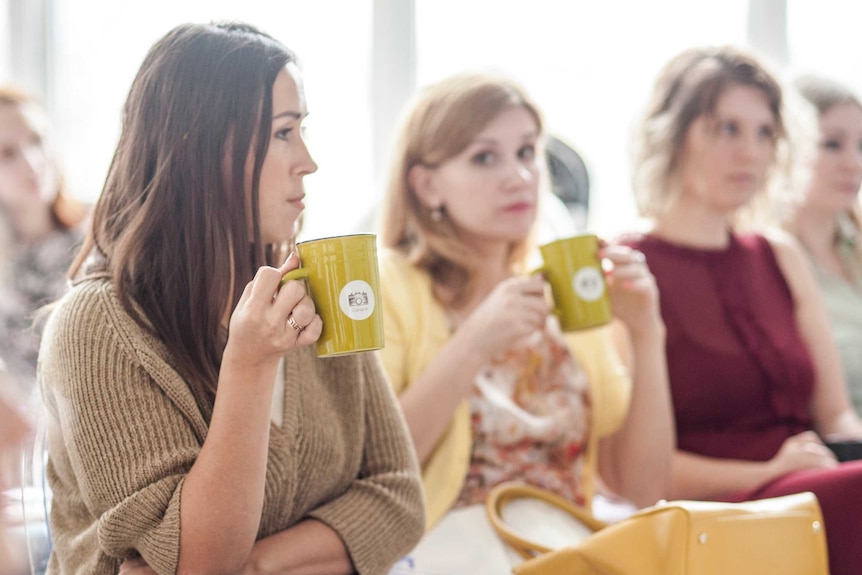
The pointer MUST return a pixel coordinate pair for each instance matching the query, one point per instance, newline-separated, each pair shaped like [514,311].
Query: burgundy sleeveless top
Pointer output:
[741,375]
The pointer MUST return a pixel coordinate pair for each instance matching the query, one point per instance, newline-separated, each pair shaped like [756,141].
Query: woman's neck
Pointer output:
[816,230]
[492,268]
[693,224]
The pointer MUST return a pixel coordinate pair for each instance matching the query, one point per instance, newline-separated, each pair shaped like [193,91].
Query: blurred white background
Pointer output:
[588,64]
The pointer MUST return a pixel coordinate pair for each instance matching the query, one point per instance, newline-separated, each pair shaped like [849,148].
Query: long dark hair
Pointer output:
[172,222]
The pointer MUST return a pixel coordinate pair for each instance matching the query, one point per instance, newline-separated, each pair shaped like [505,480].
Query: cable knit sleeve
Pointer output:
[118,440]
[380,517]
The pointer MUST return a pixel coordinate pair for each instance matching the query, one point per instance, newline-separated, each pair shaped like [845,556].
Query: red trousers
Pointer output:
[839,492]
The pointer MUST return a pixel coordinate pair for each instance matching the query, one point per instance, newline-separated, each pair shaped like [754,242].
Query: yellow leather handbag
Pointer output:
[780,535]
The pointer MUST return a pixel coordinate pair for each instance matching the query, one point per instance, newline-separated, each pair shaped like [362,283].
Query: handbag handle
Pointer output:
[505,492]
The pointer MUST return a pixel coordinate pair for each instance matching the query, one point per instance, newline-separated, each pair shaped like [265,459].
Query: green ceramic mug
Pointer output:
[342,277]
[574,272]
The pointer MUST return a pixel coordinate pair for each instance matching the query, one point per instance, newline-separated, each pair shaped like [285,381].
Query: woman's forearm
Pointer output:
[222,495]
[845,424]
[310,547]
[700,477]
[643,447]
[430,401]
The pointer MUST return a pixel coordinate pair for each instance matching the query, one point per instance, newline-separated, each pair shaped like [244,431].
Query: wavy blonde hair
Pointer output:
[442,120]
[823,94]
[66,211]
[689,87]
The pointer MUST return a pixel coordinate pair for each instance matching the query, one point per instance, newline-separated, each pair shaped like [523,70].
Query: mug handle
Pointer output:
[298,273]
[541,270]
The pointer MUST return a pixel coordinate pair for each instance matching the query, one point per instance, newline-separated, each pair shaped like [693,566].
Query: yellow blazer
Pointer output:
[416,329]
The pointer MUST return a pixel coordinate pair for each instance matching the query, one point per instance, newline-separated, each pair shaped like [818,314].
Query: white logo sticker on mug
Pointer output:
[357,300]
[588,283]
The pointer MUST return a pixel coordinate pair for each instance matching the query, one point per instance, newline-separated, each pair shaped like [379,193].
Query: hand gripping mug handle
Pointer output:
[541,270]
[298,273]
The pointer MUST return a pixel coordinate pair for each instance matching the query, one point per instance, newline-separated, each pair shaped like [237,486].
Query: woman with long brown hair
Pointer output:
[191,427]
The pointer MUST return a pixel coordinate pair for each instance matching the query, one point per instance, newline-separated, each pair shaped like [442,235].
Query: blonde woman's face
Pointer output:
[727,156]
[490,190]
[837,170]
[27,176]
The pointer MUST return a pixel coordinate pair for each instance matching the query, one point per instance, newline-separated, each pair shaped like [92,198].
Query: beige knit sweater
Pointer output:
[124,429]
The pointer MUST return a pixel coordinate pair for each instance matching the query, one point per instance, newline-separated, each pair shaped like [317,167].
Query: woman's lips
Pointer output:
[519,207]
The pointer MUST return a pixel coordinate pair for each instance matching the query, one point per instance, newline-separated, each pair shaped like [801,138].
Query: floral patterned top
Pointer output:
[530,410]
[34,276]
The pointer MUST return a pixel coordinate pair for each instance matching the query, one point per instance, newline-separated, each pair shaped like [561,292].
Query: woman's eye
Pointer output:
[483,158]
[767,133]
[831,145]
[527,152]
[728,128]
[283,134]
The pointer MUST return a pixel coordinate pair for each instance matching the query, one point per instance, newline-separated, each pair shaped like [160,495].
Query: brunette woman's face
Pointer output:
[286,163]
[837,170]
[727,155]
[490,189]
[27,177]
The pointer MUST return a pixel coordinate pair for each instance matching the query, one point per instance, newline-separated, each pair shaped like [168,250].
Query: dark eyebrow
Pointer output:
[289,113]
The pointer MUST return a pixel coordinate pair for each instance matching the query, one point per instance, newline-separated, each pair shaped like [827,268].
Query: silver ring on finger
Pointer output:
[294,324]
[639,256]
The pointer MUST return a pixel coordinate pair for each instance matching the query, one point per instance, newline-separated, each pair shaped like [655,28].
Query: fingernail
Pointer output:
[291,257]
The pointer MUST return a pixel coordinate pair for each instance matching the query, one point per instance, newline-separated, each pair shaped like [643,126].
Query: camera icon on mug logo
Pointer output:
[588,283]
[357,300]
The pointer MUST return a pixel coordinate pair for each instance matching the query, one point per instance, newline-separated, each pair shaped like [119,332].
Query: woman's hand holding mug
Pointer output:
[269,322]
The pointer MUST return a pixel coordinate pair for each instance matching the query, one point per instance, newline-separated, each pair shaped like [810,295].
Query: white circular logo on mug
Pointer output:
[588,284]
[357,300]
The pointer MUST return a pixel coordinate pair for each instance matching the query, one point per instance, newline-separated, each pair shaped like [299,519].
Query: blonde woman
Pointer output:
[40,229]
[753,371]
[826,219]
[490,388]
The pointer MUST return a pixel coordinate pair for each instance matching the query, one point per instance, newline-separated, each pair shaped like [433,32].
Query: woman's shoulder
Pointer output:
[781,242]
[394,262]
[791,260]
[90,316]
[771,246]
[90,339]
[86,300]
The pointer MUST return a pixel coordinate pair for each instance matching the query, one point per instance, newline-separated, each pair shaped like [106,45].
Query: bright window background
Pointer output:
[101,43]
[824,37]
[589,66]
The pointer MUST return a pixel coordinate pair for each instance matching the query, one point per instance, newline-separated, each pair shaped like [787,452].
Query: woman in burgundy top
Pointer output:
[754,373]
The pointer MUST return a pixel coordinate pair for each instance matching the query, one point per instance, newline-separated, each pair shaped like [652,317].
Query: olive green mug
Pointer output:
[573,270]
[342,278]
